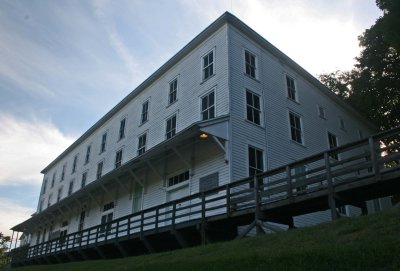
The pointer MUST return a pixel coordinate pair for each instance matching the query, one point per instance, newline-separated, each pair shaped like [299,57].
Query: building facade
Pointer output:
[226,106]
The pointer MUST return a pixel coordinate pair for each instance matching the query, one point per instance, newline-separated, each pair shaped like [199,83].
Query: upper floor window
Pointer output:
[296,132]
[174,180]
[255,160]
[208,65]
[83,181]
[41,205]
[253,107]
[173,90]
[59,193]
[170,130]
[122,129]
[142,144]
[87,158]
[208,106]
[333,143]
[118,159]
[99,170]
[291,88]
[74,163]
[321,111]
[145,112]
[71,187]
[63,172]
[250,64]
[342,124]
[103,143]
[44,186]
[49,200]
[53,180]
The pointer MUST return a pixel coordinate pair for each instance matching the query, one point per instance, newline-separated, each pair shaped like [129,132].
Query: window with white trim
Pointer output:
[173,91]
[208,65]
[122,129]
[342,124]
[118,158]
[296,133]
[103,143]
[63,172]
[321,112]
[41,205]
[145,112]
[44,186]
[74,164]
[255,160]
[253,107]
[142,141]
[99,172]
[180,178]
[333,143]
[208,106]
[70,188]
[83,181]
[53,179]
[250,64]
[49,200]
[170,130]
[291,88]
[87,157]
[59,193]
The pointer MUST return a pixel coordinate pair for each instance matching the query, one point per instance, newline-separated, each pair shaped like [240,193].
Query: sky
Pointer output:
[64,64]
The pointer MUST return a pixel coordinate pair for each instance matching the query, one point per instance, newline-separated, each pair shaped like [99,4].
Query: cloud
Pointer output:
[26,147]
[12,214]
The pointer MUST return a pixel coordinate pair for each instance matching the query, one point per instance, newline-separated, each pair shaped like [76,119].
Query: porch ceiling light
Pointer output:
[203,136]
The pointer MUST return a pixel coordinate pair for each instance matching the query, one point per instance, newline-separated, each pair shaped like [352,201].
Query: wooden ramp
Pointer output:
[347,175]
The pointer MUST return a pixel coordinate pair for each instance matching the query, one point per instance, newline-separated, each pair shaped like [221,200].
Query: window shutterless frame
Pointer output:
[208,65]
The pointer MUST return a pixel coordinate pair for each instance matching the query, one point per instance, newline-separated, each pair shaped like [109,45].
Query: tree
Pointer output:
[373,85]
[4,241]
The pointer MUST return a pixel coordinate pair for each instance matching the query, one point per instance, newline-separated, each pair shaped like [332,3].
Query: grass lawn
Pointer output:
[362,243]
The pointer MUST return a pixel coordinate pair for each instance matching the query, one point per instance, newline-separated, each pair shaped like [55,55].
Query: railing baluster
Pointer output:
[157,211]
[331,196]
[203,206]
[228,199]
[173,214]
[289,181]
[374,158]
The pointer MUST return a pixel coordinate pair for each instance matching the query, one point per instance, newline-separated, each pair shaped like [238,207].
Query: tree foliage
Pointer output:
[373,85]
[4,241]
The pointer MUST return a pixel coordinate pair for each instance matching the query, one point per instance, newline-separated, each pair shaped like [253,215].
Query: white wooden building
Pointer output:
[226,106]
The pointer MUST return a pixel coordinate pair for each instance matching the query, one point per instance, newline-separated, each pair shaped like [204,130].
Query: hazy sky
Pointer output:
[64,64]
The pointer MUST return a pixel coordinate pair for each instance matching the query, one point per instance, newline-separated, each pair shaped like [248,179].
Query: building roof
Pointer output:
[226,18]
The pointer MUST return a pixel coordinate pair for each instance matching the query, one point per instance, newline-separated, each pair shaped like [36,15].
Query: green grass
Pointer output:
[363,243]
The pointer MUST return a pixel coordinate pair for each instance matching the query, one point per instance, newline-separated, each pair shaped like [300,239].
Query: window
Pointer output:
[171,127]
[208,106]
[256,161]
[49,200]
[99,170]
[74,163]
[321,112]
[208,65]
[180,178]
[63,172]
[118,159]
[173,90]
[145,112]
[70,188]
[53,180]
[108,206]
[41,205]
[59,194]
[106,224]
[253,107]
[81,220]
[291,88]
[44,186]
[295,128]
[333,143]
[103,143]
[142,144]
[83,182]
[250,63]
[87,154]
[122,129]
[342,124]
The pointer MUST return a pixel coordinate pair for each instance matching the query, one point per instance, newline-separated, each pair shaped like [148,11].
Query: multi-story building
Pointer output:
[226,106]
